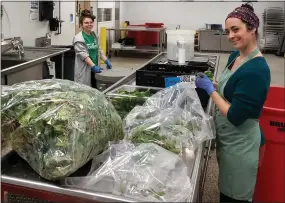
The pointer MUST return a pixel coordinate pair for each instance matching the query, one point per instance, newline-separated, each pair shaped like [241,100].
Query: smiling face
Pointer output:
[87,24]
[238,33]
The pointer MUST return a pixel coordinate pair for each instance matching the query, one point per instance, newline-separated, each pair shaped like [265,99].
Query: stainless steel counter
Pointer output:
[197,176]
[214,40]
[30,67]
[201,162]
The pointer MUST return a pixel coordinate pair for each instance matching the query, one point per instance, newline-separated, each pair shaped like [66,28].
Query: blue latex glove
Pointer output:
[96,69]
[108,64]
[203,82]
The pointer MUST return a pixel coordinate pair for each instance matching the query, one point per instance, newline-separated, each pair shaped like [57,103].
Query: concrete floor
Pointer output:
[277,66]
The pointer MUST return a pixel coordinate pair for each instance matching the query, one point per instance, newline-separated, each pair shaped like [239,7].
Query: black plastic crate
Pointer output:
[153,75]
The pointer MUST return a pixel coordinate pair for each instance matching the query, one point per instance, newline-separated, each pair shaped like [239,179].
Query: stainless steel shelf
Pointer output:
[273,27]
[158,49]
[138,49]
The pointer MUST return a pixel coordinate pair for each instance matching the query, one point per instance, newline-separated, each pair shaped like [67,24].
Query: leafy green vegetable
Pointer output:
[137,93]
[209,74]
[142,135]
[158,195]
[172,118]
[57,125]
[169,137]
[125,101]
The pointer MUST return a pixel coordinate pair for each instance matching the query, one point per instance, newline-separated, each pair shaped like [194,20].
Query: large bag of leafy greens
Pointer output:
[172,118]
[144,172]
[4,91]
[57,126]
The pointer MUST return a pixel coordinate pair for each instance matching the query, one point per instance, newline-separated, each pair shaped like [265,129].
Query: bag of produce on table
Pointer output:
[57,126]
[172,118]
[144,172]
[4,89]
[126,97]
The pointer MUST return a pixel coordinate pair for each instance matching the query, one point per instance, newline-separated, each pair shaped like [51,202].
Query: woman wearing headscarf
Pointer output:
[239,96]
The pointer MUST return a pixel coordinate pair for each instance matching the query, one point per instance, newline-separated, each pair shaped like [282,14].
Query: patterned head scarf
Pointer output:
[245,14]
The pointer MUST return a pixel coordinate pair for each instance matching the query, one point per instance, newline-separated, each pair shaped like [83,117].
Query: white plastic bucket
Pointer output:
[188,36]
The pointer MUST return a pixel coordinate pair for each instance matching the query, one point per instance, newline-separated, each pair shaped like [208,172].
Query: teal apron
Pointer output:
[237,149]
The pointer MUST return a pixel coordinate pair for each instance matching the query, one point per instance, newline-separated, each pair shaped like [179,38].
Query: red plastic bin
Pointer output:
[144,38]
[139,36]
[152,37]
[270,179]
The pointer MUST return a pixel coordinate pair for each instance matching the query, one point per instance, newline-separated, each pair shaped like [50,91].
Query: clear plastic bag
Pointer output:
[145,172]
[5,89]
[172,118]
[126,97]
[57,126]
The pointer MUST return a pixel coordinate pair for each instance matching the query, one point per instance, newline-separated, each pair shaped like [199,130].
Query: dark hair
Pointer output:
[86,14]
[247,5]
[250,7]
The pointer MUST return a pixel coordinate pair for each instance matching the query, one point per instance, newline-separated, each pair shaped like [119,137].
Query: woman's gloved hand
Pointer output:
[203,82]
[96,69]
[108,64]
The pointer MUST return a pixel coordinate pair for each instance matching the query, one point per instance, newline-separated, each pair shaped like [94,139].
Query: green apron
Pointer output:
[237,149]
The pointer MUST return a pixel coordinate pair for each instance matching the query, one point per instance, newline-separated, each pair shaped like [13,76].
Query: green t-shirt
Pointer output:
[92,47]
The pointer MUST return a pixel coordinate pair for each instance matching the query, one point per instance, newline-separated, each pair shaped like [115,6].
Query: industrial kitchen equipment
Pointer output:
[19,63]
[173,39]
[13,44]
[273,28]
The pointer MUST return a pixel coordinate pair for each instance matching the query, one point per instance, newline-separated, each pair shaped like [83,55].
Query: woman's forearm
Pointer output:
[102,56]
[222,105]
[89,62]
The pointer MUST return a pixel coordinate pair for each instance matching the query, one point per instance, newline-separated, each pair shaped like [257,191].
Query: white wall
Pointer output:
[187,14]
[107,4]
[67,28]
[16,23]
[190,15]
[20,24]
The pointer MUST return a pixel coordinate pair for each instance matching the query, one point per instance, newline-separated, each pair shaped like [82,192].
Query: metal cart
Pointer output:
[21,184]
[158,49]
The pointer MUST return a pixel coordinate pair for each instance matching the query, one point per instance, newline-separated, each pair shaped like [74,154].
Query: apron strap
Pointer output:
[248,58]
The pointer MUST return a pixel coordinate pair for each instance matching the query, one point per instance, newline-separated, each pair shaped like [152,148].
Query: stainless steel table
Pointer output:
[159,49]
[30,186]
[203,153]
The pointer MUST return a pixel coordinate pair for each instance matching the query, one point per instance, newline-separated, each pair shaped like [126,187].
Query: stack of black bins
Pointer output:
[154,74]
[68,66]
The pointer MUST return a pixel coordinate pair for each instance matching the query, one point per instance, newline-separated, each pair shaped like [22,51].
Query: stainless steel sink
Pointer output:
[10,63]
[30,67]
[22,72]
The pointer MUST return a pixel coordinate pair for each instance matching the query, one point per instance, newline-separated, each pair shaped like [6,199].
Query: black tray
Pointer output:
[13,165]
[153,75]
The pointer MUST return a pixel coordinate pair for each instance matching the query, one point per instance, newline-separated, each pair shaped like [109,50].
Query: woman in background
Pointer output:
[239,96]
[88,52]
